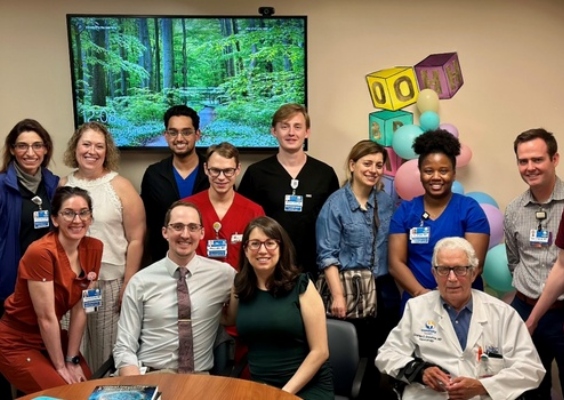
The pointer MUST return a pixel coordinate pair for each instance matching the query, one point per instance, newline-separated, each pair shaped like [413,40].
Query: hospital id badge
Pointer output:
[217,248]
[41,219]
[420,235]
[540,238]
[91,300]
[293,203]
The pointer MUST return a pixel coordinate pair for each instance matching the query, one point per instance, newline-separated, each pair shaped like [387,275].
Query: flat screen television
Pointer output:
[235,71]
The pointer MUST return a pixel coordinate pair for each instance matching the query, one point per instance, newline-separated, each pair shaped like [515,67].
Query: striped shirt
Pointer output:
[530,265]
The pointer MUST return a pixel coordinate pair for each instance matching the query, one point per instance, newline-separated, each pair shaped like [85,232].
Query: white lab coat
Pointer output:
[425,331]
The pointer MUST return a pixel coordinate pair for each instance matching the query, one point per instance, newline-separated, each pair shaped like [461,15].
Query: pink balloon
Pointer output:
[495,219]
[407,182]
[450,128]
[464,157]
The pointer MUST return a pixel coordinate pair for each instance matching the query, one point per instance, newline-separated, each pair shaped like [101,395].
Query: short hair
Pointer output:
[26,125]
[456,243]
[180,203]
[436,141]
[63,193]
[287,111]
[364,148]
[225,150]
[111,161]
[537,133]
[285,273]
[181,110]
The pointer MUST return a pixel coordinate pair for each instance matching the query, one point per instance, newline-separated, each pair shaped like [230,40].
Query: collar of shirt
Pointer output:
[353,202]
[469,306]
[192,266]
[557,194]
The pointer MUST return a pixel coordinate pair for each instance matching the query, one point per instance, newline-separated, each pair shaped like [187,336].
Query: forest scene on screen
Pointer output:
[235,72]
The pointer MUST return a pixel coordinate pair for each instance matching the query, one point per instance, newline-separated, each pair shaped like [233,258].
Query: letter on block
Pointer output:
[393,89]
[392,163]
[383,124]
[440,72]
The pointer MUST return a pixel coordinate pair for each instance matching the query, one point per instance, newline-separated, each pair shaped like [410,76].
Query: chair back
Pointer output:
[343,354]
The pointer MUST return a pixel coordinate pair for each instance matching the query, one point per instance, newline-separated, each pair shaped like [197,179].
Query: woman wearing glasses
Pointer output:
[119,222]
[417,225]
[35,354]
[280,315]
[26,190]
[352,232]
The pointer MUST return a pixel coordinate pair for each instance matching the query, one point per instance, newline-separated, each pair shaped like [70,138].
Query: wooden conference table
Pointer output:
[175,387]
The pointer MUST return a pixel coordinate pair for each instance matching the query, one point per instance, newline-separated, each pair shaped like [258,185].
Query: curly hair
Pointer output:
[285,274]
[436,141]
[111,161]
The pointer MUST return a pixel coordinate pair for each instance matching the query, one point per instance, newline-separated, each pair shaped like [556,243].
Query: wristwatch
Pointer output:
[75,360]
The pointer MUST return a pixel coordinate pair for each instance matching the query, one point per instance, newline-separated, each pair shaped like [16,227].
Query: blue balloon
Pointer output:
[457,187]
[429,121]
[402,141]
[496,270]
[483,198]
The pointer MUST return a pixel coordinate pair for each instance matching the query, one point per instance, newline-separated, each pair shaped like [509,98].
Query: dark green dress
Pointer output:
[273,329]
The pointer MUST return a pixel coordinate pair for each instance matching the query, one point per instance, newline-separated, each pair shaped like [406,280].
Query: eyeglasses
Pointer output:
[183,132]
[269,244]
[69,215]
[227,172]
[24,147]
[458,271]
[180,227]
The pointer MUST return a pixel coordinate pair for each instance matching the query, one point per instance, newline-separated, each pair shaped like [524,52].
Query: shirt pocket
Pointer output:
[354,235]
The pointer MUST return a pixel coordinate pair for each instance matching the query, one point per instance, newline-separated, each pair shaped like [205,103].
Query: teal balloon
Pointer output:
[496,271]
[457,187]
[429,121]
[402,141]
[483,198]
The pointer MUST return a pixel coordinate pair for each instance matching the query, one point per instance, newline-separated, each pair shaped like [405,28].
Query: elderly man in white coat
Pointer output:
[458,343]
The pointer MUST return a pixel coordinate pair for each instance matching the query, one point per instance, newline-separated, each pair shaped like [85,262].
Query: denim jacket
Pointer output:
[345,231]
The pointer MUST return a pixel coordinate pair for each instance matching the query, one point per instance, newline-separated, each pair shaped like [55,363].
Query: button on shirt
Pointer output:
[148,329]
[531,265]
[460,321]
[344,231]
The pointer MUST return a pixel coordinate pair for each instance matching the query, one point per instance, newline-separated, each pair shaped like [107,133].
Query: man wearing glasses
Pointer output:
[174,178]
[225,213]
[149,328]
[457,342]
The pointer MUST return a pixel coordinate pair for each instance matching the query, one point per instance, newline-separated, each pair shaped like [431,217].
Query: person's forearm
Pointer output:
[306,371]
[133,259]
[553,288]
[51,335]
[129,370]
[333,281]
[405,278]
[76,329]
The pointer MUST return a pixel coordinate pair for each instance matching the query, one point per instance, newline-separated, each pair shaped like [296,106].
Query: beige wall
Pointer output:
[511,55]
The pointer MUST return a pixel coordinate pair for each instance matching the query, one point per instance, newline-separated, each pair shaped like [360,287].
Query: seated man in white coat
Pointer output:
[459,343]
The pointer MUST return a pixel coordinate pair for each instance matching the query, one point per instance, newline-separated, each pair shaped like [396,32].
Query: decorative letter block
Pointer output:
[440,72]
[388,182]
[393,163]
[393,89]
[383,124]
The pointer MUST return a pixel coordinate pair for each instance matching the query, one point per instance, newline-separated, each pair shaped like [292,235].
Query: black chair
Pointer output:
[348,368]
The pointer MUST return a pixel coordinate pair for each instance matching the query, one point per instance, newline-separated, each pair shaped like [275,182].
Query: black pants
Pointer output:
[5,387]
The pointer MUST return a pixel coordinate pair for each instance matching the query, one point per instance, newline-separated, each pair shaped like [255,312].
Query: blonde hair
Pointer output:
[111,161]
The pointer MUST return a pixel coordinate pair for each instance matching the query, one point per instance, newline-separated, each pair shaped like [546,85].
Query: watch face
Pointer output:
[76,360]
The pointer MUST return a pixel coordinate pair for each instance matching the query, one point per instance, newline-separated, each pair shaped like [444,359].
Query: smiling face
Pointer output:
[536,167]
[75,229]
[91,151]
[291,133]
[182,245]
[455,290]
[221,183]
[29,160]
[437,175]
[181,145]
[367,170]
[263,261]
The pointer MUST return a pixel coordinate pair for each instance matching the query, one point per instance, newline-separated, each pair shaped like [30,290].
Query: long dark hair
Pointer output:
[63,193]
[285,273]
[26,125]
